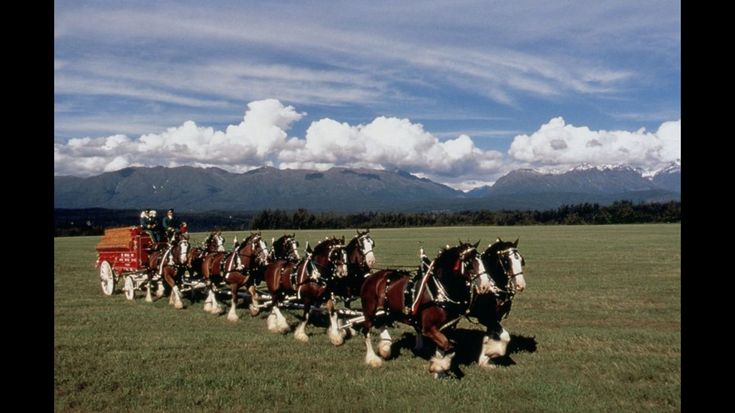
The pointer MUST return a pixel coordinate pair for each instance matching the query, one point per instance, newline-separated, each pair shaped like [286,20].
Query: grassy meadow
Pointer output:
[598,329]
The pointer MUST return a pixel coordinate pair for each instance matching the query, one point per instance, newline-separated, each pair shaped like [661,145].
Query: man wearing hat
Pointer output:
[170,224]
[153,228]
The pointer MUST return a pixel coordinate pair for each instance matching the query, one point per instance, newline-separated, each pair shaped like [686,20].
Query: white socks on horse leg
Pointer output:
[333,332]
[384,344]
[371,359]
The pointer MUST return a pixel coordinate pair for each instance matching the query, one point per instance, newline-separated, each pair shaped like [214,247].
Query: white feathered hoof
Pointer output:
[148,296]
[232,315]
[300,333]
[282,326]
[372,360]
[271,323]
[335,337]
[208,306]
[439,364]
[486,362]
[216,310]
[384,349]
[159,290]
[254,310]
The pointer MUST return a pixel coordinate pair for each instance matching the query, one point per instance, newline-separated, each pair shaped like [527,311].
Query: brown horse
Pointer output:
[360,260]
[284,248]
[169,264]
[214,243]
[504,264]
[308,280]
[243,266]
[438,300]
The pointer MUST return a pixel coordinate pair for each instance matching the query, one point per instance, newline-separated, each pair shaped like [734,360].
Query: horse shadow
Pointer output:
[467,345]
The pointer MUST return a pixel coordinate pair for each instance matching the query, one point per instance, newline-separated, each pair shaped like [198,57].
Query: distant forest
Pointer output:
[93,221]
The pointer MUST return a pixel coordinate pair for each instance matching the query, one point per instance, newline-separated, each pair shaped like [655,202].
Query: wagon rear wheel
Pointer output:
[107,278]
[129,288]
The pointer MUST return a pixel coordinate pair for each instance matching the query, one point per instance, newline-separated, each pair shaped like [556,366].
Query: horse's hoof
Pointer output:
[302,337]
[374,362]
[254,311]
[271,323]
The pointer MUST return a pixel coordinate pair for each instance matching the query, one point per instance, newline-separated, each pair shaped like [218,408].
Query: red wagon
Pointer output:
[123,252]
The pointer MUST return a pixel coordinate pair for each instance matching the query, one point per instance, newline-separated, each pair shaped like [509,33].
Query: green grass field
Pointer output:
[598,329]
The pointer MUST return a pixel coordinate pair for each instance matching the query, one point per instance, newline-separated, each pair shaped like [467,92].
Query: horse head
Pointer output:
[215,242]
[254,246]
[285,248]
[457,267]
[330,254]
[180,250]
[505,265]
[360,250]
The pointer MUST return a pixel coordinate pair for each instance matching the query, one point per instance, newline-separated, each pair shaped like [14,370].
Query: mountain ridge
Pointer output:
[342,189]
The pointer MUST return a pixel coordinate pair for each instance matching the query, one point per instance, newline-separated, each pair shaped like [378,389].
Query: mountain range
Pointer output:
[355,189]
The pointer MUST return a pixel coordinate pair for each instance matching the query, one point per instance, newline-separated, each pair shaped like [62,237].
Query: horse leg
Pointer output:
[419,341]
[159,290]
[232,315]
[281,323]
[148,296]
[254,309]
[384,345]
[178,304]
[493,347]
[300,333]
[333,332]
[215,309]
[442,360]
[371,359]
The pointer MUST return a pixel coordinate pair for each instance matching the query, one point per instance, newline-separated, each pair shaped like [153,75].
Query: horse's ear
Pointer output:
[498,239]
[234,240]
[308,248]
[515,244]
[367,230]
[357,231]
[477,243]
[343,239]
[459,241]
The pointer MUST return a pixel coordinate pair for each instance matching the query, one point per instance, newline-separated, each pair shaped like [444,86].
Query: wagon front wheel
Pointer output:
[129,288]
[107,278]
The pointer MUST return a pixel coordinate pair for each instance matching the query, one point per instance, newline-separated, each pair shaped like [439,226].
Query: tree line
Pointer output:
[93,221]
[621,212]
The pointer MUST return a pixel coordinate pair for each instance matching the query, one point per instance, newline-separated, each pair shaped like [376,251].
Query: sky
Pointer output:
[460,92]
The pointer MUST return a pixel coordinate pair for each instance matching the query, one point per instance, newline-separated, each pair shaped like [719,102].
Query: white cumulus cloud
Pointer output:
[261,139]
[559,144]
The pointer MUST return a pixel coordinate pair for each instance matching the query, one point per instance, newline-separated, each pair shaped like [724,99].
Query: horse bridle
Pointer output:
[507,253]
[361,246]
[255,241]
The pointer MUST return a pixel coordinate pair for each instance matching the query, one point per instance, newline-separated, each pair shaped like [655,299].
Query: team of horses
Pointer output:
[459,282]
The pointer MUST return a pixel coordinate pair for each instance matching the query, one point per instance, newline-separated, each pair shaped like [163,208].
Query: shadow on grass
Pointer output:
[467,345]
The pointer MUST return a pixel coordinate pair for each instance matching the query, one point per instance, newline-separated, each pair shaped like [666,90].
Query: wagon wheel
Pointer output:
[129,288]
[107,278]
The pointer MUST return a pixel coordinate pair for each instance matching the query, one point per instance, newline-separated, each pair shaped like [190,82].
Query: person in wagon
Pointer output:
[152,227]
[144,219]
[171,224]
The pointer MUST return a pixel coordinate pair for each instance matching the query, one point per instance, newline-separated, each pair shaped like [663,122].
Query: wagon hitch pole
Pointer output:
[357,320]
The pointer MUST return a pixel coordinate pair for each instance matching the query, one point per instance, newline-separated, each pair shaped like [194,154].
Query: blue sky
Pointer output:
[464,80]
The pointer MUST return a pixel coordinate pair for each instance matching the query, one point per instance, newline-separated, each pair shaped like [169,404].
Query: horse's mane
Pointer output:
[324,246]
[497,246]
[448,256]
[281,242]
